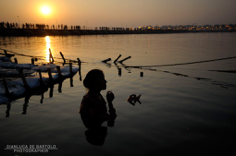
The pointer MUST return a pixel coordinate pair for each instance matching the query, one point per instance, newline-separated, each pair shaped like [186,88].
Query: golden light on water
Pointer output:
[47,39]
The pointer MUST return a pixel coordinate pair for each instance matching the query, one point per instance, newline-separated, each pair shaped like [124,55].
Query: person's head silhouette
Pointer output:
[95,80]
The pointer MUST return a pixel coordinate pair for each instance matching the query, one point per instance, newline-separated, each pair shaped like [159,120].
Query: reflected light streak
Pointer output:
[47,39]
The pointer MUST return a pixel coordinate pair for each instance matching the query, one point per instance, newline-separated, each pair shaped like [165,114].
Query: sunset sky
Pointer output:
[119,13]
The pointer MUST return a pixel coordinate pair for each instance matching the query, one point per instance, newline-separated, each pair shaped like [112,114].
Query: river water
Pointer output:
[184,109]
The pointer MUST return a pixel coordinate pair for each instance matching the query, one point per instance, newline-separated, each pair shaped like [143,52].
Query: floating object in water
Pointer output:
[5,59]
[105,61]
[44,67]
[117,58]
[124,59]
[14,72]
[138,97]
[132,99]
[141,74]
[19,87]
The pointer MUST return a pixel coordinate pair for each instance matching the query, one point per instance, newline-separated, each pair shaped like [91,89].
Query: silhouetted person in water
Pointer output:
[93,109]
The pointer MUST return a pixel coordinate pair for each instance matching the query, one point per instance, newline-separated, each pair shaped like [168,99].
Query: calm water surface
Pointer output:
[184,109]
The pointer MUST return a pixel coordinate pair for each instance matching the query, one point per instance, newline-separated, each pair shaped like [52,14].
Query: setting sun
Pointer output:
[45,10]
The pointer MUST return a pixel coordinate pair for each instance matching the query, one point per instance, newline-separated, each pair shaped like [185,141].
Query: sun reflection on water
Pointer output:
[47,53]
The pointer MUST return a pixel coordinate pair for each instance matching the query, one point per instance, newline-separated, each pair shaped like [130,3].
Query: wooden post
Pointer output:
[50,75]
[51,57]
[24,80]
[71,69]
[60,86]
[5,52]
[25,106]
[63,57]
[79,63]
[51,91]
[40,77]
[119,71]
[117,58]
[59,71]
[32,61]
[105,61]
[141,74]
[71,81]
[8,55]
[8,109]
[16,62]
[5,86]
[124,59]
[42,97]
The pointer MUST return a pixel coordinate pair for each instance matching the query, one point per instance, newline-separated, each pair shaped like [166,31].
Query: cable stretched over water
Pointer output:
[163,65]
[39,57]
[17,53]
[22,54]
[186,63]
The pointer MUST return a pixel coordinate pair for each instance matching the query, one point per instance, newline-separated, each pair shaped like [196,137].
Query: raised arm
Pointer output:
[110,97]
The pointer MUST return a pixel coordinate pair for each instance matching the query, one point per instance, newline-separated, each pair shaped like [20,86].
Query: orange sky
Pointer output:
[120,13]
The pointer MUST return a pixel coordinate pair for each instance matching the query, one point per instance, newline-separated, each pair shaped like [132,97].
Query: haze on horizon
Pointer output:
[121,13]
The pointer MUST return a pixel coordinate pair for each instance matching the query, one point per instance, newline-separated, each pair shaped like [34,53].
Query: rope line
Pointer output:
[186,63]
[39,57]
[21,54]
[163,65]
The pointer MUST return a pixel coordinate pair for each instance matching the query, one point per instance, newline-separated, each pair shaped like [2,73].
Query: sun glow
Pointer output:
[45,10]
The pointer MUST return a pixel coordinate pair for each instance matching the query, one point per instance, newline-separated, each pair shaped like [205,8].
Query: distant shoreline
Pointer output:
[56,32]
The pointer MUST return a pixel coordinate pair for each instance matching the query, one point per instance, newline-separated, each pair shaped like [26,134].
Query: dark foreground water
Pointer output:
[185,109]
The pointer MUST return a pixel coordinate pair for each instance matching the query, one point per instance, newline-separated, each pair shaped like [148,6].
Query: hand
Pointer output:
[110,97]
